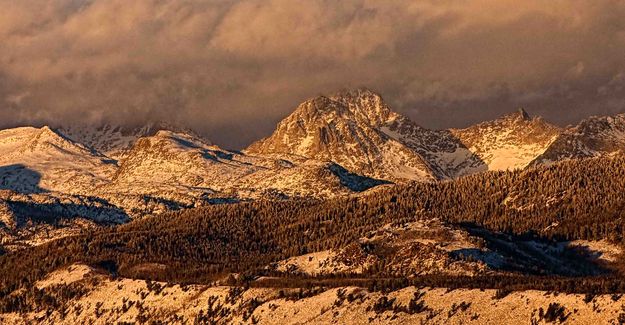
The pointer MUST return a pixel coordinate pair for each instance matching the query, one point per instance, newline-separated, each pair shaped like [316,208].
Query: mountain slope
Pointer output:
[357,130]
[499,230]
[49,187]
[116,141]
[38,160]
[104,299]
[539,210]
[303,179]
[446,155]
[510,142]
[171,164]
[592,137]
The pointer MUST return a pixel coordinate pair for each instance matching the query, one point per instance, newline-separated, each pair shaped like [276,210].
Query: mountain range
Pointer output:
[347,213]
[336,145]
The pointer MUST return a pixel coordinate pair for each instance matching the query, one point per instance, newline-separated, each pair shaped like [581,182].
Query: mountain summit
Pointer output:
[345,128]
[41,159]
[523,114]
[358,130]
[593,137]
[509,142]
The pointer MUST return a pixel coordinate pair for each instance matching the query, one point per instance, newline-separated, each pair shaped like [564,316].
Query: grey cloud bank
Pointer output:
[232,69]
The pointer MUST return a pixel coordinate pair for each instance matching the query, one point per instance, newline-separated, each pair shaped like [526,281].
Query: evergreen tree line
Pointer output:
[578,199]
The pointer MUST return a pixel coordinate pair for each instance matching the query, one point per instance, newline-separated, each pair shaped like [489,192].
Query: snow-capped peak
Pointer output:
[115,141]
[509,142]
[347,128]
[40,159]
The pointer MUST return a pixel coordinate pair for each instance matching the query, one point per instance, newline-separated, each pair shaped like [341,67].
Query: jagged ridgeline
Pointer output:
[578,199]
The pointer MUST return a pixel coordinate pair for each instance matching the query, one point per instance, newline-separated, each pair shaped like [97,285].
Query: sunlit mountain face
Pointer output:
[282,162]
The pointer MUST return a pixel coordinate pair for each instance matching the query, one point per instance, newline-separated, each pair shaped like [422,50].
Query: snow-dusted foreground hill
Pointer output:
[99,299]
[416,253]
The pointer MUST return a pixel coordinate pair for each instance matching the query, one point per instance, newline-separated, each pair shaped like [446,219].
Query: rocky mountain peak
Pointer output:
[523,114]
[45,138]
[592,137]
[518,116]
[509,142]
[601,124]
[366,104]
[360,105]
[346,128]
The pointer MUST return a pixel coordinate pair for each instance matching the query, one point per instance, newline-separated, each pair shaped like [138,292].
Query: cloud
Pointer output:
[232,69]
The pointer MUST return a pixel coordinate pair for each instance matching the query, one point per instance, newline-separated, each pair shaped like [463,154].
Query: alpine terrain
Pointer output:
[348,212]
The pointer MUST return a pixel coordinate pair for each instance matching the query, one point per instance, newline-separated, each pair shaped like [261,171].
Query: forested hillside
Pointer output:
[580,199]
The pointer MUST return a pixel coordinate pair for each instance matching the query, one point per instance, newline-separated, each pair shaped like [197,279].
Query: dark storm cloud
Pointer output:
[232,69]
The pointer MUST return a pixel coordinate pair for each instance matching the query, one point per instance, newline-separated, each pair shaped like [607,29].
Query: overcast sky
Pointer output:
[232,69]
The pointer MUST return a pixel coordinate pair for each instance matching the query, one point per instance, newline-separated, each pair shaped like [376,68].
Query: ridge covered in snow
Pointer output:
[115,141]
[40,159]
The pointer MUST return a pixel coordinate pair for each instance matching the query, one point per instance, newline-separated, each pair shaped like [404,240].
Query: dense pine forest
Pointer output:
[578,199]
